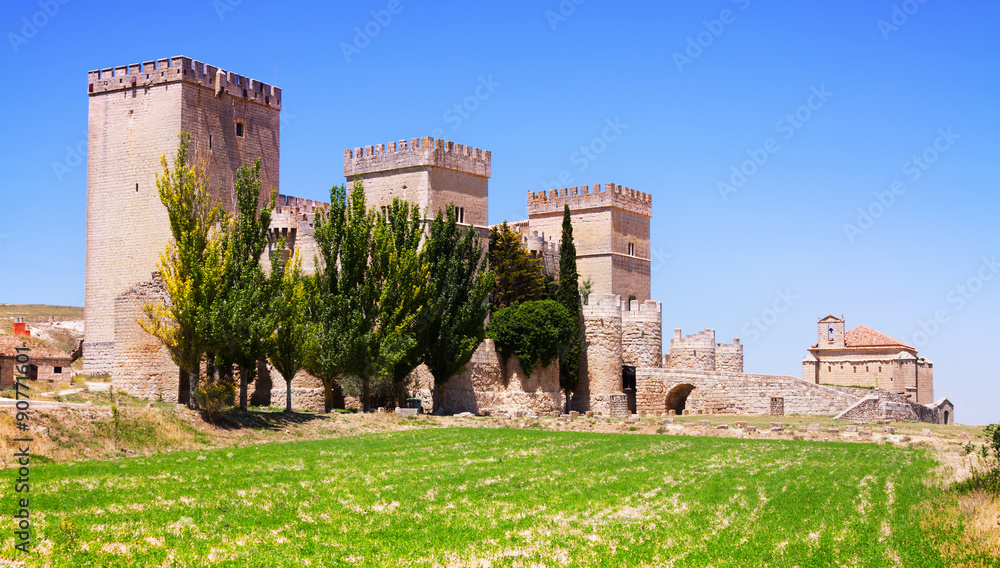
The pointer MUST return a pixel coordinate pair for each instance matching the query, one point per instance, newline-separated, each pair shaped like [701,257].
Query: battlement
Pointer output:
[605,304]
[585,197]
[637,311]
[183,69]
[299,205]
[417,152]
[702,340]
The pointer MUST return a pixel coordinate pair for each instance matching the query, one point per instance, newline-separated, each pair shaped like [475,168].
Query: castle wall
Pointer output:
[294,220]
[718,392]
[128,131]
[488,385]
[142,367]
[642,334]
[729,357]
[135,116]
[692,352]
[601,370]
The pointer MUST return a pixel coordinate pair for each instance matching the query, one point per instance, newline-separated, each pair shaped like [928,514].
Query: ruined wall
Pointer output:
[141,366]
[135,115]
[307,391]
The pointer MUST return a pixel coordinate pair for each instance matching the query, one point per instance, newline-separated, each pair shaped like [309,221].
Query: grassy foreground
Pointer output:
[502,497]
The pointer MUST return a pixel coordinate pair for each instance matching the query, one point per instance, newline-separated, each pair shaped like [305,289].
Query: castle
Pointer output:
[136,113]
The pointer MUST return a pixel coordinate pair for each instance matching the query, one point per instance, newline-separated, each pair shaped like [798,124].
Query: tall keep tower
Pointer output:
[610,230]
[136,114]
[427,172]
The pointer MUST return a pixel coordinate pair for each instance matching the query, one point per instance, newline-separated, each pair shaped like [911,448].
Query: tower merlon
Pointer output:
[178,69]
[417,152]
[585,197]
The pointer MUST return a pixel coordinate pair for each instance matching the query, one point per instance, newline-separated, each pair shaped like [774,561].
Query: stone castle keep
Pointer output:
[136,113]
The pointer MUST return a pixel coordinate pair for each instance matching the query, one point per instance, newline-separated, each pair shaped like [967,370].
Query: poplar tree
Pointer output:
[518,276]
[190,265]
[242,320]
[370,288]
[328,317]
[454,322]
[287,347]
[569,296]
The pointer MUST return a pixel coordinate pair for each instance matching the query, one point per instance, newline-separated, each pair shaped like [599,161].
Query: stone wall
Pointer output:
[718,392]
[136,113]
[729,356]
[601,371]
[694,352]
[642,334]
[490,386]
[427,172]
[141,366]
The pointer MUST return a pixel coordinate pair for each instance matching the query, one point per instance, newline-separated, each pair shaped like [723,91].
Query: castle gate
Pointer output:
[628,386]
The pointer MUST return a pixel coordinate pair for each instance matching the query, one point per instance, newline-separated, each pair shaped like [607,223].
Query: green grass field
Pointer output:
[493,497]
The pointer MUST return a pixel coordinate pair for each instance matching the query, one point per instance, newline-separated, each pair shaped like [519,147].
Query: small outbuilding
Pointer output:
[45,363]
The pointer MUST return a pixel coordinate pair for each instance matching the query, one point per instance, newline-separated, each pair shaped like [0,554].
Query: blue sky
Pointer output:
[695,89]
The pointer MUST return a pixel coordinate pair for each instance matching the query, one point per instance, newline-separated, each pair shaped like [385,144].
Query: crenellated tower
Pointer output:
[610,230]
[136,113]
[427,172]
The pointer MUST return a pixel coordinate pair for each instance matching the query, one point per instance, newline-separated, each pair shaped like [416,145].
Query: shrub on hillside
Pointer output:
[212,397]
[534,331]
[987,476]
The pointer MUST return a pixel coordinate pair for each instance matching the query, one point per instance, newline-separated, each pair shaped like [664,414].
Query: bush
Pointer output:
[534,331]
[212,397]
[987,475]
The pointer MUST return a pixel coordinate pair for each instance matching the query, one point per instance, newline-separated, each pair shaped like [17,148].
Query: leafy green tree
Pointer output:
[242,316]
[371,285]
[287,348]
[453,323]
[397,277]
[329,321]
[569,296]
[518,276]
[533,331]
[191,265]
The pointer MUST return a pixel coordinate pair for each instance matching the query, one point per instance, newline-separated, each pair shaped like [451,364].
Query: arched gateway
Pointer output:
[677,398]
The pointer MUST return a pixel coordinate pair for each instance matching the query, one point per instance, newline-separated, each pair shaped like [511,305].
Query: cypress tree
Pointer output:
[569,297]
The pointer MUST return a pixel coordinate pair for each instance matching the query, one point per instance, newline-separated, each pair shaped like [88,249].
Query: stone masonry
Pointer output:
[427,172]
[136,113]
[864,357]
[610,230]
[700,352]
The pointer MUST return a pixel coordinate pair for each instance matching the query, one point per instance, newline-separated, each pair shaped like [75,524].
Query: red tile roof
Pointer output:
[864,336]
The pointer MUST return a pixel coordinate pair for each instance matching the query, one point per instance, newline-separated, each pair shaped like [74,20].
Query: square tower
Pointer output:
[610,230]
[426,172]
[136,114]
